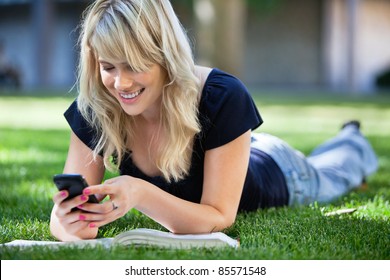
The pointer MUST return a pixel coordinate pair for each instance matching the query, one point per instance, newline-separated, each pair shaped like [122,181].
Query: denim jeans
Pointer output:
[333,169]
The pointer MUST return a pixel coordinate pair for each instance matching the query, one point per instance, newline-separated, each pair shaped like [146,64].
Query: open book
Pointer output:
[145,237]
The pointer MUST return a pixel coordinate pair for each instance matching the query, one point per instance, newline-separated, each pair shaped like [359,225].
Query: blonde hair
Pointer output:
[144,32]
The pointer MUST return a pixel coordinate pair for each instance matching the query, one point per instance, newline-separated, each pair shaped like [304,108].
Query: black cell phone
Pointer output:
[74,184]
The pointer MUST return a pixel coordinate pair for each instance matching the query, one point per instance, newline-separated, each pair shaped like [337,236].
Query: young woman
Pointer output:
[180,134]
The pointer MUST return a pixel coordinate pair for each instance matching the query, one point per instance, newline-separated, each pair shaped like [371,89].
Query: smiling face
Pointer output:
[126,45]
[138,93]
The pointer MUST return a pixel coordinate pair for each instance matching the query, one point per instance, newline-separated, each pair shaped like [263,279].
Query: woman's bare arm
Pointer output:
[79,160]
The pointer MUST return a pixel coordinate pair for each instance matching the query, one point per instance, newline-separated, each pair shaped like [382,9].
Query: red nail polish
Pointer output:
[80,206]
[84,198]
[82,217]
[63,194]
[92,225]
[87,191]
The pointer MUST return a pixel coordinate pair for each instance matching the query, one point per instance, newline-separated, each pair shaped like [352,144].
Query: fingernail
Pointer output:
[63,194]
[82,217]
[84,198]
[80,206]
[92,225]
[87,191]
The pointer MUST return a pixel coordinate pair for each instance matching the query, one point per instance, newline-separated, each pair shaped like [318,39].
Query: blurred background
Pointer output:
[316,45]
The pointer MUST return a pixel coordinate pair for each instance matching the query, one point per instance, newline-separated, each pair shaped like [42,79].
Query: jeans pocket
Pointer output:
[301,191]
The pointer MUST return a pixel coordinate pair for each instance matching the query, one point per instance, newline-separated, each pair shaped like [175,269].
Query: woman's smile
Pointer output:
[141,90]
[131,97]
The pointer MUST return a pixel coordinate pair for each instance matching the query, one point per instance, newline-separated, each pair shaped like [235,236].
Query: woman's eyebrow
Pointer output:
[106,62]
[103,61]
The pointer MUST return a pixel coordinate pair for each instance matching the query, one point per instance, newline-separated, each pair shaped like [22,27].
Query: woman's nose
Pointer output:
[123,82]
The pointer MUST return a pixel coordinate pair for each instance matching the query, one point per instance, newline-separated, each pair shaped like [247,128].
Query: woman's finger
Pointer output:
[65,207]
[60,196]
[101,208]
[102,189]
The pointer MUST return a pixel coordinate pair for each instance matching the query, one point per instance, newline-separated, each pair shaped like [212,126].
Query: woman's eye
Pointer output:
[106,67]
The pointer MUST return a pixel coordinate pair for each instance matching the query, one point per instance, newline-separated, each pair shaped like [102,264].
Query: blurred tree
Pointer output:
[220,27]
[230,29]
[220,33]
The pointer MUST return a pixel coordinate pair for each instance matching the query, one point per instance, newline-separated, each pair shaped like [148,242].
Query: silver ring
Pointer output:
[114,207]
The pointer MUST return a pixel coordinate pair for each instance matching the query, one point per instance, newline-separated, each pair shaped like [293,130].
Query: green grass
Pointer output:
[33,147]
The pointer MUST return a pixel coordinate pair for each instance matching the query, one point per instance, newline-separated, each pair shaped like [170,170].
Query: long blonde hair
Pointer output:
[143,32]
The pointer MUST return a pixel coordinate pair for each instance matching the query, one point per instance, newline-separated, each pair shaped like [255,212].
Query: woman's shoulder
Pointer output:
[224,97]
[222,82]
[220,85]
[80,126]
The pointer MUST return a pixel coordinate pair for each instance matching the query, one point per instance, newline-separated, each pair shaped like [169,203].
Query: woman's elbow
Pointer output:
[225,222]
[229,221]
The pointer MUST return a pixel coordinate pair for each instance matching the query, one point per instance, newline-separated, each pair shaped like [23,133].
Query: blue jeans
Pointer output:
[333,169]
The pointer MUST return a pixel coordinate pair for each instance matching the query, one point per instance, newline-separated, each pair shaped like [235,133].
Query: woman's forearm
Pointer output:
[178,215]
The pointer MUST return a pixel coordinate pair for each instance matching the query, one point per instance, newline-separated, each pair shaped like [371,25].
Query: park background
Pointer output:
[332,45]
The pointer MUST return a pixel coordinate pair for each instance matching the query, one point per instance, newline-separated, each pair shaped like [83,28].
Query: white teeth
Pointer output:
[132,95]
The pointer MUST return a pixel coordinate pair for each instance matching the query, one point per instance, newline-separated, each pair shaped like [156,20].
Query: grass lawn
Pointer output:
[33,147]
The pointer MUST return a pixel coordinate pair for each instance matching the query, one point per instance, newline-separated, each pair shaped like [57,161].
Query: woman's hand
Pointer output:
[123,196]
[72,223]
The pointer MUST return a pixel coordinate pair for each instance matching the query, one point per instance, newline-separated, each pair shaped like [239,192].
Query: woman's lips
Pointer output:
[130,98]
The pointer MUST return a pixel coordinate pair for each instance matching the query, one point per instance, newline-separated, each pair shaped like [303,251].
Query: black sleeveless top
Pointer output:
[226,111]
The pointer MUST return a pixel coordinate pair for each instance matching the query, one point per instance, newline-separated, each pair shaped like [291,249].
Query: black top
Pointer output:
[226,111]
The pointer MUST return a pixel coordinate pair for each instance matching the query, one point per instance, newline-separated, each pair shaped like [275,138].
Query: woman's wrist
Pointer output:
[138,188]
